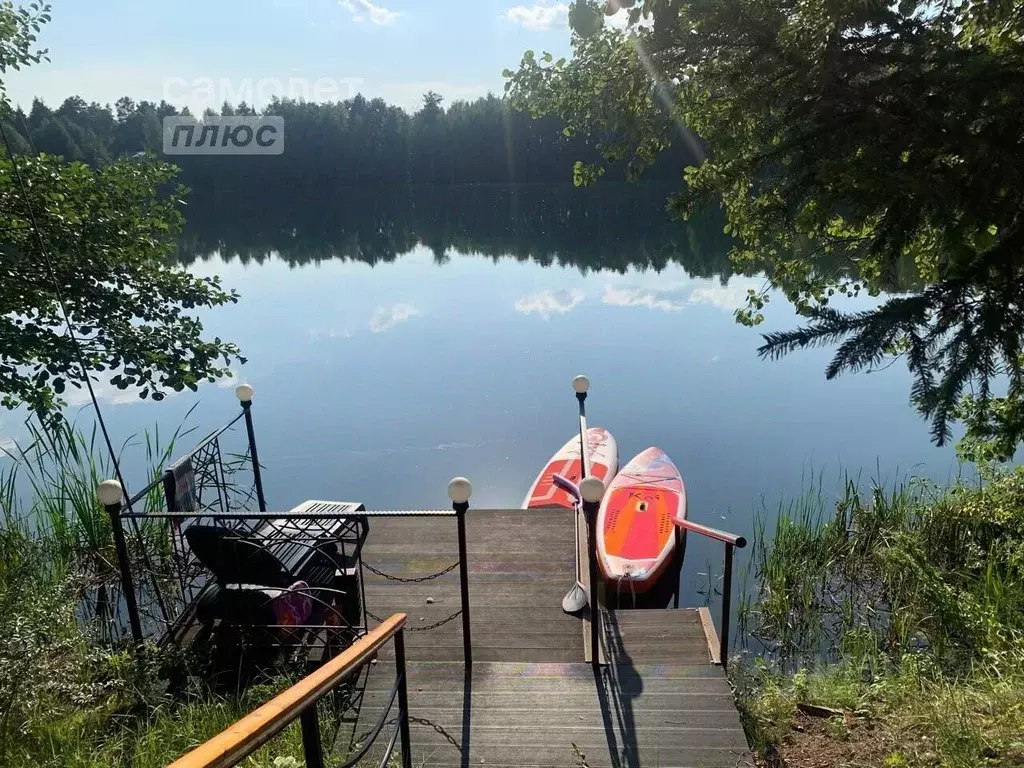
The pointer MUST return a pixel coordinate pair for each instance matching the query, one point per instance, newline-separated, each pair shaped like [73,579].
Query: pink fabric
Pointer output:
[295,606]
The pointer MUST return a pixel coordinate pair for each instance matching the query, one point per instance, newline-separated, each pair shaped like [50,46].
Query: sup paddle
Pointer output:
[575,599]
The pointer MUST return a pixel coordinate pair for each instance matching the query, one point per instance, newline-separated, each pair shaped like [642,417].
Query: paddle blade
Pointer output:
[575,599]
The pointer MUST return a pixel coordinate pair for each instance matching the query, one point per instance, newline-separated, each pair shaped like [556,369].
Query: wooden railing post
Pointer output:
[312,747]
[403,700]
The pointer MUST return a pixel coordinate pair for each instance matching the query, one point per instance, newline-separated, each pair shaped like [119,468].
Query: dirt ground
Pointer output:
[838,742]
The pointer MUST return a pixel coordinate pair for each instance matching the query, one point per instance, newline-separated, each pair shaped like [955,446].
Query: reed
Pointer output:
[902,603]
[48,486]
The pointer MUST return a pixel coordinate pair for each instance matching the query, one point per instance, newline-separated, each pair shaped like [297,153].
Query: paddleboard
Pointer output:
[604,461]
[635,535]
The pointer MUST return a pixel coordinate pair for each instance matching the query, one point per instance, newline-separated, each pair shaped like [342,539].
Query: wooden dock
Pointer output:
[531,698]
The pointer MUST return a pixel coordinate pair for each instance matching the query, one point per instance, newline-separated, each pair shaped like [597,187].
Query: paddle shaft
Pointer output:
[584,455]
[584,472]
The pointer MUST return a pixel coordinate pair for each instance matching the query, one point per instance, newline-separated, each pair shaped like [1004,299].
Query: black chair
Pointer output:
[250,571]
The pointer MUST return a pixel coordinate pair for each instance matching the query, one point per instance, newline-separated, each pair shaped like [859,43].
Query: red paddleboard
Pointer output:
[635,535]
[604,461]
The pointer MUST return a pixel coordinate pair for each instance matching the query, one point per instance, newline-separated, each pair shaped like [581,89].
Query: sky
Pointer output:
[198,53]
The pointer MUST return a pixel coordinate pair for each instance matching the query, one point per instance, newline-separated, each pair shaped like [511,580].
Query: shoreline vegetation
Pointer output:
[72,693]
[884,631]
[889,628]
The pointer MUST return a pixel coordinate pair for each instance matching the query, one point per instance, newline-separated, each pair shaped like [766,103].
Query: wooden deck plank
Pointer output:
[528,696]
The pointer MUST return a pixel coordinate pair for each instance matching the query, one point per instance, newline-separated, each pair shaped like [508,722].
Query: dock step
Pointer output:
[658,715]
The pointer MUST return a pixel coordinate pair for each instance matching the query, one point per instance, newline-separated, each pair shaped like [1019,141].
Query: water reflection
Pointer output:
[614,227]
[398,339]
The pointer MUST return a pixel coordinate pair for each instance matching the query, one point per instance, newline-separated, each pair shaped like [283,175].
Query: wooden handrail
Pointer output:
[713,533]
[240,740]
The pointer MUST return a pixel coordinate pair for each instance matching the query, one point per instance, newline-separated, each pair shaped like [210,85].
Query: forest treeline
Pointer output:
[357,141]
[613,227]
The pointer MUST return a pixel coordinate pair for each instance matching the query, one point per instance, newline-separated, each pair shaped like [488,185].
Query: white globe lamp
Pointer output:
[110,493]
[459,490]
[244,393]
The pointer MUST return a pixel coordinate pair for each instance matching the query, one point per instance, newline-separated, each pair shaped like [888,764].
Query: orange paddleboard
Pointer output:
[604,461]
[635,536]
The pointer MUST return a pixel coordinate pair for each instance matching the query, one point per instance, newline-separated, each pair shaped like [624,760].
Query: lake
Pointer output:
[398,338]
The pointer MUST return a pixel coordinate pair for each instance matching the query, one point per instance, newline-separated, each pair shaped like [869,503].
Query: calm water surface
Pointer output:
[389,355]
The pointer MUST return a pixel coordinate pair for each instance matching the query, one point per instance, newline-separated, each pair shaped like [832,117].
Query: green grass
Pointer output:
[68,698]
[904,605]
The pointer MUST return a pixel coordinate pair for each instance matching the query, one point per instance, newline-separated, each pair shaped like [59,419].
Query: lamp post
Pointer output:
[244,393]
[459,491]
[111,496]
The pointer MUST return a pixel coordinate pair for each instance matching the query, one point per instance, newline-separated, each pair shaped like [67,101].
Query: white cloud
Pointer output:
[663,300]
[106,393]
[316,334]
[386,318]
[540,16]
[547,303]
[731,296]
[232,381]
[364,10]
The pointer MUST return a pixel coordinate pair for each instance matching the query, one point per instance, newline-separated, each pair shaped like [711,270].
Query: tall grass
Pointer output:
[905,602]
[48,485]
[58,572]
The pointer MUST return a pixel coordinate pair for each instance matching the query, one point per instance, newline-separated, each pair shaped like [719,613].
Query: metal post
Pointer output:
[678,536]
[467,637]
[312,747]
[403,700]
[726,605]
[257,478]
[114,510]
[590,513]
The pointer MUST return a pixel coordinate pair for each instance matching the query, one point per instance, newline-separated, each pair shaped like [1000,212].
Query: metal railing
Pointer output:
[164,568]
[209,480]
[731,541]
[236,743]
